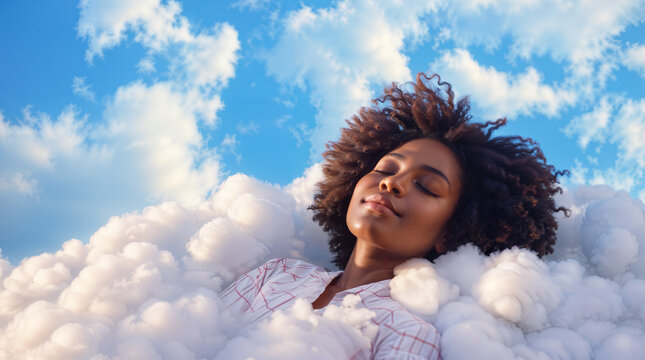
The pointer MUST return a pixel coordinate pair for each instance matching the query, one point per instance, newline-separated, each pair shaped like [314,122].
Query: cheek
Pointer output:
[430,220]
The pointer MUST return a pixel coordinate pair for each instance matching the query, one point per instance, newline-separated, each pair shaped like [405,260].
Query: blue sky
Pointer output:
[111,106]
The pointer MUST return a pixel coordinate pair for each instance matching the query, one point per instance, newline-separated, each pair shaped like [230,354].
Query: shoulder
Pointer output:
[282,265]
[287,263]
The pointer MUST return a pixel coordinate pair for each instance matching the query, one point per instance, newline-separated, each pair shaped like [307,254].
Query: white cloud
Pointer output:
[614,251]
[302,188]
[513,305]
[418,287]
[153,131]
[502,289]
[629,128]
[105,23]
[591,126]
[230,144]
[499,93]
[209,60]
[146,282]
[301,333]
[80,88]
[146,286]
[339,52]
[634,58]
[38,140]
[251,4]
[19,183]
[148,145]
[205,60]
[148,148]
[150,133]
[621,122]
[578,32]
[251,127]
[146,65]
[617,176]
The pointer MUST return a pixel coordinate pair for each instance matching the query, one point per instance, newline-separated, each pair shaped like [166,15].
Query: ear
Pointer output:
[440,246]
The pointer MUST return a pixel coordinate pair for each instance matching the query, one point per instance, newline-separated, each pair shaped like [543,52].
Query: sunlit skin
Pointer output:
[398,211]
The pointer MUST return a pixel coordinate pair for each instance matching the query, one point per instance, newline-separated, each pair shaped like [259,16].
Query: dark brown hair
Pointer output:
[508,188]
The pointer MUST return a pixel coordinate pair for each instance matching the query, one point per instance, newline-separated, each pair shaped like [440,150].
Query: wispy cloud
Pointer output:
[80,88]
[253,5]
[251,127]
[345,49]
[19,183]
[579,33]
[634,58]
[146,65]
[628,131]
[592,126]
[339,52]
[230,144]
[616,121]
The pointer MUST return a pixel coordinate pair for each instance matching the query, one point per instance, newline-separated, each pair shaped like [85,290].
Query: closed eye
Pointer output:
[424,190]
[383,172]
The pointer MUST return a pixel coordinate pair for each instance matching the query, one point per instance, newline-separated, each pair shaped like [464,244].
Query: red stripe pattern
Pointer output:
[276,284]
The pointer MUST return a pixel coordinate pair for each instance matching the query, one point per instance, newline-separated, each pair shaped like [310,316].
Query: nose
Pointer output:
[392,184]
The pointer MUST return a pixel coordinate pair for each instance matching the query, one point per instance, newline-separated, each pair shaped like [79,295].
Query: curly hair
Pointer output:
[508,188]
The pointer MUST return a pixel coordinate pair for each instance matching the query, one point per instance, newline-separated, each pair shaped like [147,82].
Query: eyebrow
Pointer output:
[424,167]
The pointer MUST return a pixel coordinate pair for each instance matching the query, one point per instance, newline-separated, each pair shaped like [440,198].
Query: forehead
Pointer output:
[433,153]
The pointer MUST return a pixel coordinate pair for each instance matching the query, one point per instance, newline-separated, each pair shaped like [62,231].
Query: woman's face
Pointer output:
[402,206]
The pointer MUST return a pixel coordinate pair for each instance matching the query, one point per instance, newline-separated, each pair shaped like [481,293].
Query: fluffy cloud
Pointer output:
[339,52]
[146,283]
[147,147]
[105,23]
[201,63]
[341,332]
[153,131]
[498,93]
[146,286]
[513,305]
[418,287]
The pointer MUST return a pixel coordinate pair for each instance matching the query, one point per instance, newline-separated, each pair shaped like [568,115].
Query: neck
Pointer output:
[366,265]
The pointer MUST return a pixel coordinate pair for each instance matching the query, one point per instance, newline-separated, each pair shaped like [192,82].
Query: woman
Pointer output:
[413,179]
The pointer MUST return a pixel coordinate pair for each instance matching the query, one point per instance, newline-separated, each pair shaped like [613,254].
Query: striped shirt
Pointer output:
[276,284]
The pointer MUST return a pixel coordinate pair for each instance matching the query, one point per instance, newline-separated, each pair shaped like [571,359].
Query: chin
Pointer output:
[365,228]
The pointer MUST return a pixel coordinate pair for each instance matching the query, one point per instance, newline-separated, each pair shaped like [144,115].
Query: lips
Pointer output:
[380,202]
